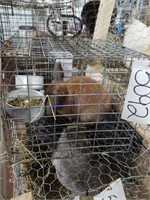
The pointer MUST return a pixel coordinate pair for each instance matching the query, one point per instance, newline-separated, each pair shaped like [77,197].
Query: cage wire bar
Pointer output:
[54,157]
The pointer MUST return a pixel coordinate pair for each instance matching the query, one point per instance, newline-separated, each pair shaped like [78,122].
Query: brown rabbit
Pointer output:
[80,96]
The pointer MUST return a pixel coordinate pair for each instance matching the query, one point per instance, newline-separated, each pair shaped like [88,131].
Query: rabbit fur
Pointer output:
[74,167]
[89,15]
[80,96]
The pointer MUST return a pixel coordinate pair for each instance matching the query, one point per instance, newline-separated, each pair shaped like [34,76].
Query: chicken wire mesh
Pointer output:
[61,153]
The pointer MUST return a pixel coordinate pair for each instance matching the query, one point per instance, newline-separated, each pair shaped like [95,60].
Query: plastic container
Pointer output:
[25,114]
[33,82]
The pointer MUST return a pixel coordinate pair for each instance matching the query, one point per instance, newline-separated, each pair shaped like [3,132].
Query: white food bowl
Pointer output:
[25,81]
[29,113]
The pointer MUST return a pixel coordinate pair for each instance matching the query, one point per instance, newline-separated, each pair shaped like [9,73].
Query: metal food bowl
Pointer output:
[23,113]
[25,81]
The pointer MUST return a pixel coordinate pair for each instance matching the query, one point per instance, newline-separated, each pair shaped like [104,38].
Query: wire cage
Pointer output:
[61,100]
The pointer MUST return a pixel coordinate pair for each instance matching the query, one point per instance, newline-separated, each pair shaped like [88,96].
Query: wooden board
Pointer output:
[103,19]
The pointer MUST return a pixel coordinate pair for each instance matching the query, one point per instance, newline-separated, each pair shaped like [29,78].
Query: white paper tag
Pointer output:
[137,102]
[77,198]
[115,191]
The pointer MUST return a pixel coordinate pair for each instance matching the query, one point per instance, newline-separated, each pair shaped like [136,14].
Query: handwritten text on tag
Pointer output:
[137,103]
[113,192]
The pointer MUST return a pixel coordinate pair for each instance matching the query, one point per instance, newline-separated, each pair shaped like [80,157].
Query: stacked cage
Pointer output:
[61,100]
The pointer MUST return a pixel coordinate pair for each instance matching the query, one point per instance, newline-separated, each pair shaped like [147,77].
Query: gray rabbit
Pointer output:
[76,168]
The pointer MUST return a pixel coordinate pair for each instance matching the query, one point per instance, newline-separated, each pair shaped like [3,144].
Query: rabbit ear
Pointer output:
[58,74]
